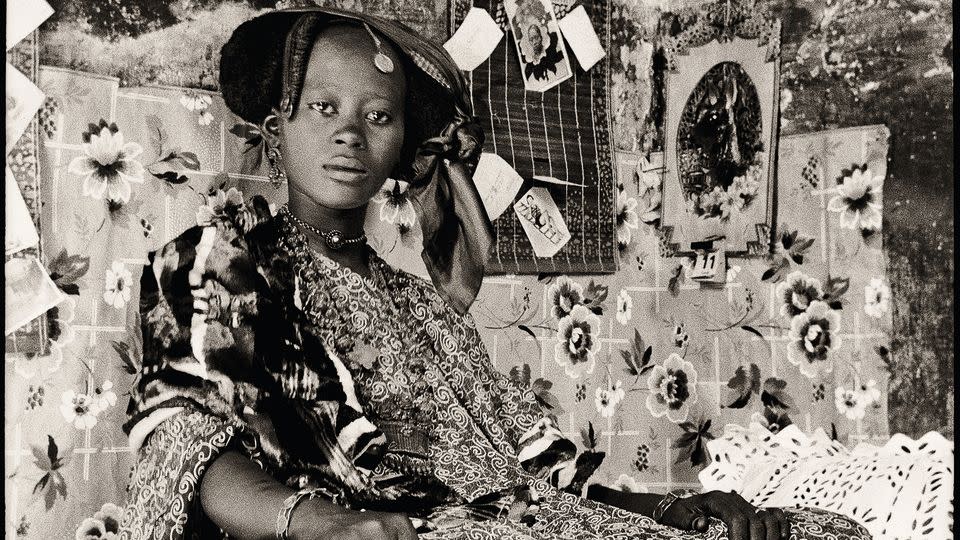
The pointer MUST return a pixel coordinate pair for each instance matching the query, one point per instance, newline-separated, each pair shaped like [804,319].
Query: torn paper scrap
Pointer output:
[582,38]
[20,231]
[557,181]
[24,99]
[542,221]
[23,17]
[29,292]
[475,40]
[497,182]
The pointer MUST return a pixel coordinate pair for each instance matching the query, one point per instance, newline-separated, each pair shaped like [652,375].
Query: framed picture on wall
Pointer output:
[721,93]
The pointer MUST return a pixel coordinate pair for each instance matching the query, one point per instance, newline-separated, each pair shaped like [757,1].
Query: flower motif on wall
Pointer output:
[104,525]
[624,307]
[564,295]
[117,284]
[849,403]
[215,204]
[627,219]
[108,164]
[869,392]
[813,334]
[79,409]
[60,333]
[627,483]
[104,397]
[608,398]
[797,292]
[198,103]
[395,204]
[577,342]
[859,201]
[673,389]
[876,300]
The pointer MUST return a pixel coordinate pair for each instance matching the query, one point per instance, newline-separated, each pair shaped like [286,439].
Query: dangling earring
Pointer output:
[277,175]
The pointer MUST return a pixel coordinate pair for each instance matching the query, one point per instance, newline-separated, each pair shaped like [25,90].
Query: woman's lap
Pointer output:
[564,516]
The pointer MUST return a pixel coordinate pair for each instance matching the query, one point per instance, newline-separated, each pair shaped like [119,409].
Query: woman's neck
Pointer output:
[349,222]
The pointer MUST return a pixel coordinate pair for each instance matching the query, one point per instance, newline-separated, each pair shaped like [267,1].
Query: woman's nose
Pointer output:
[350,136]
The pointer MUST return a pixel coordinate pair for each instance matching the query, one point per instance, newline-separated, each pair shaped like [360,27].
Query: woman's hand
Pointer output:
[743,520]
[344,524]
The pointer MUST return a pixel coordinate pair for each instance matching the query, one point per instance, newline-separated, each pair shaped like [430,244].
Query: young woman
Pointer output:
[295,386]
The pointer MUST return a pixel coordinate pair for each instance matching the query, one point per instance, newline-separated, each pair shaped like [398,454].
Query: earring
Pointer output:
[277,175]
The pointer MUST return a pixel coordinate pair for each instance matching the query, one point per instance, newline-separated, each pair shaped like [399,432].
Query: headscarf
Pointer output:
[443,141]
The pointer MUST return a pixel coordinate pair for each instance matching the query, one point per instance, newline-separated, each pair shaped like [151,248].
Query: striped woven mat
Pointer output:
[564,133]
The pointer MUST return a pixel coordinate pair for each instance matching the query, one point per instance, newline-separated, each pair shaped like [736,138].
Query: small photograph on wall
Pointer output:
[543,57]
[720,90]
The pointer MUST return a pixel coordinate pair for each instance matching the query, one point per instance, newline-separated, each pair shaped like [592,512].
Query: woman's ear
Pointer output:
[270,129]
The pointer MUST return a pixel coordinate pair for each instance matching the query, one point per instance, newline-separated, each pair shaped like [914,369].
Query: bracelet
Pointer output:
[668,500]
[286,511]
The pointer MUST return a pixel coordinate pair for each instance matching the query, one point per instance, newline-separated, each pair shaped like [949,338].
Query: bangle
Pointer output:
[668,500]
[286,511]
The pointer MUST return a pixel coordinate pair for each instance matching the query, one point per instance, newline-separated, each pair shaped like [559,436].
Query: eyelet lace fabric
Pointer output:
[901,490]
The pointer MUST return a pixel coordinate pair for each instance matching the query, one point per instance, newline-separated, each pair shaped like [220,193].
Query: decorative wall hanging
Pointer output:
[22,161]
[561,133]
[721,89]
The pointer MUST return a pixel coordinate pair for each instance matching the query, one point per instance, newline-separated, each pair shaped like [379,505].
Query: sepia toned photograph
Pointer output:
[479,269]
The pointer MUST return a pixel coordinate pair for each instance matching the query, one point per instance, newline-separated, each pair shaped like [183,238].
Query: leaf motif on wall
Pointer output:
[638,357]
[51,484]
[692,443]
[157,134]
[744,385]
[589,436]
[834,290]
[676,279]
[546,398]
[123,350]
[65,270]
[594,296]
[774,394]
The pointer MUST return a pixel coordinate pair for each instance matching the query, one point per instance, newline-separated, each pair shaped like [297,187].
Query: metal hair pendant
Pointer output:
[382,62]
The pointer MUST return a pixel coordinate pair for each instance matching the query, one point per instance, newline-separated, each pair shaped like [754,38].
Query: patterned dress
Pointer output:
[470,450]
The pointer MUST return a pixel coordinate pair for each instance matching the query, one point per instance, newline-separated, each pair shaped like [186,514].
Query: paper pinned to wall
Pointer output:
[557,181]
[542,222]
[24,99]
[544,60]
[23,17]
[497,183]
[29,292]
[582,38]
[475,39]
[20,230]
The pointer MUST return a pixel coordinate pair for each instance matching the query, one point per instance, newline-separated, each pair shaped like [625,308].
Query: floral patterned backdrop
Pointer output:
[645,364]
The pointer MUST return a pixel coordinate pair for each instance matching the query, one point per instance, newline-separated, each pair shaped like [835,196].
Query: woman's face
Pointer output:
[345,138]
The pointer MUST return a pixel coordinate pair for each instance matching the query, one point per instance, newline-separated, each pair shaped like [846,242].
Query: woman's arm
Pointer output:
[743,520]
[244,501]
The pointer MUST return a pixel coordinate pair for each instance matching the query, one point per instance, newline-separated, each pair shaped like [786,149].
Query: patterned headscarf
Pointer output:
[262,68]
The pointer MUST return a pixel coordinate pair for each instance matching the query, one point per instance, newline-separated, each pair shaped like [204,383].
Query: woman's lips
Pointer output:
[345,168]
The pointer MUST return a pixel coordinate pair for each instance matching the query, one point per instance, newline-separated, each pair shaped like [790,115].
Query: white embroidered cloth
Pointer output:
[901,490]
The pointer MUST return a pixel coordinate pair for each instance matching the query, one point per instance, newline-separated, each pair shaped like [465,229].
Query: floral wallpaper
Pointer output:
[644,365]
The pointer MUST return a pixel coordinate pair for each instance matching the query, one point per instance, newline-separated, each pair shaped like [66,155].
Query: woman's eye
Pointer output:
[324,107]
[379,117]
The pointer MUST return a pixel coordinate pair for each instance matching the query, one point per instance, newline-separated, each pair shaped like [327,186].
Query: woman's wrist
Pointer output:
[312,516]
[669,500]
[285,517]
